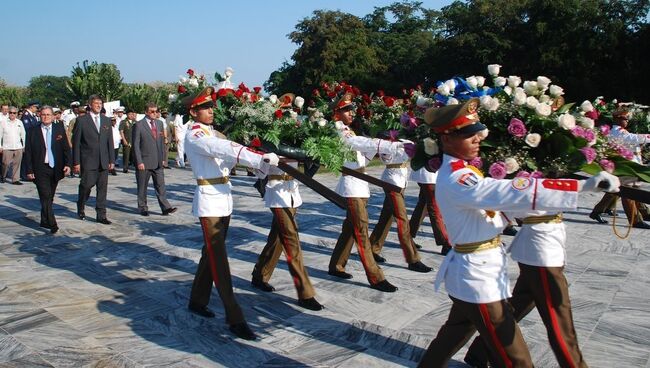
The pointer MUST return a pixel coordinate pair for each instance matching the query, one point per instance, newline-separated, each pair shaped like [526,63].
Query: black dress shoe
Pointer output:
[378,258]
[81,215]
[597,217]
[42,224]
[510,231]
[419,267]
[144,213]
[202,311]
[475,362]
[384,286]
[104,221]
[341,274]
[445,250]
[169,210]
[242,330]
[418,246]
[125,171]
[54,229]
[113,172]
[311,304]
[609,212]
[264,286]
[17,183]
[2,180]
[641,225]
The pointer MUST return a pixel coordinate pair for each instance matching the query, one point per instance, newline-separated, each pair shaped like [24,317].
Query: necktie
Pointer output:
[97,122]
[48,145]
[154,131]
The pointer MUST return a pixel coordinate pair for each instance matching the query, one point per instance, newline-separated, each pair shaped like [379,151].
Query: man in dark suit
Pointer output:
[47,160]
[93,156]
[148,151]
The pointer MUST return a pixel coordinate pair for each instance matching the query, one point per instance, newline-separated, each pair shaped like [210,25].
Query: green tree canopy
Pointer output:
[50,90]
[95,78]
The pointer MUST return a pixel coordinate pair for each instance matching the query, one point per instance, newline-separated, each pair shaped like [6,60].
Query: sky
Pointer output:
[158,40]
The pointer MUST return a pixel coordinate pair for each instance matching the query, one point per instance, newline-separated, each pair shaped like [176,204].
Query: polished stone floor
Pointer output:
[115,296]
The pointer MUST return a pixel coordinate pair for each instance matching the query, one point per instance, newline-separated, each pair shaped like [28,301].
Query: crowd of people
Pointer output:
[44,144]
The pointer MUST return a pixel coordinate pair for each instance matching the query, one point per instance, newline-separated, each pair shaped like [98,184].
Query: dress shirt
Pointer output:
[12,134]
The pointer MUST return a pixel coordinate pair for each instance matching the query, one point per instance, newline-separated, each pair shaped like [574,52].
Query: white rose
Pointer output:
[531,88]
[519,97]
[543,109]
[482,134]
[293,114]
[507,90]
[339,125]
[566,121]
[322,122]
[472,82]
[586,106]
[543,82]
[614,101]
[273,99]
[451,84]
[489,103]
[452,101]
[430,146]
[193,82]
[299,102]
[172,97]
[532,102]
[480,80]
[585,122]
[443,90]
[228,73]
[500,81]
[183,80]
[533,139]
[555,91]
[422,101]
[514,81]
[544,98]
[511,165]
[494,69]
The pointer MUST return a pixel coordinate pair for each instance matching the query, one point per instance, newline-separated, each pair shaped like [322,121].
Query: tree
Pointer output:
[12,95]
[136,96]
[50,90]
[95,78]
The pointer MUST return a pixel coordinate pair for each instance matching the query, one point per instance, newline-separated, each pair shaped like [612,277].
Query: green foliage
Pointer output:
[136,96]
[50,90]
[12,95]
[95,78]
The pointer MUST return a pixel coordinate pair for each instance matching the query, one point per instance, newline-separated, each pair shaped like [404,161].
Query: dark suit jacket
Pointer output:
[147,149]
[91,149]
[35,151]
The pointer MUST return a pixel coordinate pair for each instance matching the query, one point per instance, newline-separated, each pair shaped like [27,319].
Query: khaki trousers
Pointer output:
[12,158]
[213,267]
[547,289]
[355,230]
[497,328]
[427,204]
[394,207]
[284,235]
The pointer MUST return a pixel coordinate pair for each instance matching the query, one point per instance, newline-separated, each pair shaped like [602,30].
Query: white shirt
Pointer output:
[47,143]
[117,138]
[12,134]
[397,176]
[214,157]
[462,195]
[629,140]
[366,148]
[541,245]
[424,176]
[282,193]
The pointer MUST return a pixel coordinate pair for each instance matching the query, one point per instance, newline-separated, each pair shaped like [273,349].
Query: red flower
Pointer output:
[224,92]
[315,92]
[239,93]
[360,111]
[257,90]
[356,91]
[325,86]
[214,96]
[242,87]
[389,101]
[338,88]
[278,114]
[331,94]
[256,142]
[255,98]
[182,89]
[190,72]
[348,89]
[366,98]
[380,93]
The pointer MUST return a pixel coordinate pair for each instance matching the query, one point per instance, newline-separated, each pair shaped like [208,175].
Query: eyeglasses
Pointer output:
[152,111]
[13,112]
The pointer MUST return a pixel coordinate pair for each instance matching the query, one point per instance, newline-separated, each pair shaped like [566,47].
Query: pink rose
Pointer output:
[589,135]
[607,165]
[578,131]
[476,162]
[517,128]
[498,170]
[593,115]
[589,153]
[523,174]
[604,129]
[537,174]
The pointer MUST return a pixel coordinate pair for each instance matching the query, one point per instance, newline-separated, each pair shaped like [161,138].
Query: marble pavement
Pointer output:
[115,296]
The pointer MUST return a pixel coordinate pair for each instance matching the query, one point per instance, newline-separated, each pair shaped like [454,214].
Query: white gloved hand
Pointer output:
[592,184]
[271,159]
[399,145]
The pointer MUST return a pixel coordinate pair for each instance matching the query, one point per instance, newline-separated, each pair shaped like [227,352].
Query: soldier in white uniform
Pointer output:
[427,204]
[212,158]
[281,195]
[179,136]
[396,172]
[475,270]
[356,193]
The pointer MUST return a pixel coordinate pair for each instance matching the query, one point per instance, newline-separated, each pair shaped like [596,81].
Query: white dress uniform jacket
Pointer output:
[629,140]
[397,176]
[424,176]
[541,245]
[213,157]
[462,193]
[366,148]
[282,193]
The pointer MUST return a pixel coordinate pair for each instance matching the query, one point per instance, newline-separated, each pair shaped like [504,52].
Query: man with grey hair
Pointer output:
[12,142]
